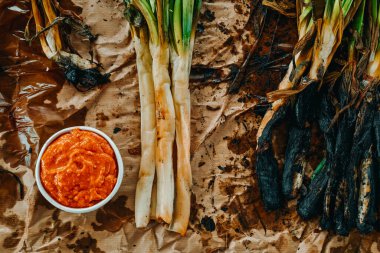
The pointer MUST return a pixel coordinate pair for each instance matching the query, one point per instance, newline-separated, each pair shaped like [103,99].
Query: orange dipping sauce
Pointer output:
[79,169]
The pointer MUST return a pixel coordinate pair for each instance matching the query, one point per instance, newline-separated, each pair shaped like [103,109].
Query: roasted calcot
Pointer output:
[333,83]
[53,26]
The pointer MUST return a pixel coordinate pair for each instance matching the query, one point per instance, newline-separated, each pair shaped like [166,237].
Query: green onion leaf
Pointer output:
[319,168]
[187,21]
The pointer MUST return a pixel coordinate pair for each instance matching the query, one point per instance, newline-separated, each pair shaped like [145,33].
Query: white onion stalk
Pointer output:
[165,120]
[181,93]
[148,130]
[184,15]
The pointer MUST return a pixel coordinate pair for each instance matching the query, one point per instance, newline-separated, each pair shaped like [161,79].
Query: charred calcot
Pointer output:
[53,27]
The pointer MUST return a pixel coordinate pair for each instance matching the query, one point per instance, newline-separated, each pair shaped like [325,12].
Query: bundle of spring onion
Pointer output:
[51,21]
[164,34]
[345,105]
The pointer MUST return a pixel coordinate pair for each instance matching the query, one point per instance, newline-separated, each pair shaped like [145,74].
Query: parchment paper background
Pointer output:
[227,215]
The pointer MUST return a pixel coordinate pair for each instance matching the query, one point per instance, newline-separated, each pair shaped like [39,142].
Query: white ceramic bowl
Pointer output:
[119,162]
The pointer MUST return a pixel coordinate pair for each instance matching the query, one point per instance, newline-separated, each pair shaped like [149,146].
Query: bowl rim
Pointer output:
[55,203]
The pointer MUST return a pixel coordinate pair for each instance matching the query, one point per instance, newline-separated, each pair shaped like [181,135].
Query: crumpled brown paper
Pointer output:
[227,215]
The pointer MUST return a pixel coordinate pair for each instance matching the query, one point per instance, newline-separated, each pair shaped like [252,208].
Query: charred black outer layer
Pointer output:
[299,139]
[326,115]
[266,164]
[361,142]
[376,124]
[305,105]
[85,79]
[367,200]
[309,205]
[295,157]
[345,131]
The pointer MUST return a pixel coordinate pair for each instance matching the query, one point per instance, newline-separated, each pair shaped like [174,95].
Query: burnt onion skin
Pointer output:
[295,157]
[306,103]
[266,164]
[82,79]
[344,136]
[365,218]
[342,151]
[345,131]
[347,91]
[362,141]
[299,140]
[309,205]
[85,79]
[329,196]
[367,197]
[340,224]
[376,126]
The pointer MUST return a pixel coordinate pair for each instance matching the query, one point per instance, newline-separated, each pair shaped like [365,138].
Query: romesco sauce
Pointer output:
[79,169]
